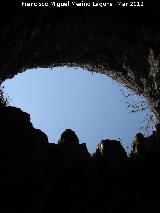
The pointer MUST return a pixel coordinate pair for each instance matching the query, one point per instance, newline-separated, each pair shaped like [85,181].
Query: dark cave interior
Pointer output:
[42,177]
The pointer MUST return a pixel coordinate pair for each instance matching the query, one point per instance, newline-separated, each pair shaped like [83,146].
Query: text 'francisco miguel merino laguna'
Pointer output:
[65,4]
[81,4]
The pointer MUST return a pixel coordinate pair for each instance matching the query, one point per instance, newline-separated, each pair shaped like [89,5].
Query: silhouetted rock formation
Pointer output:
[43,177]
[110,149]
[149,146]
[111,155]
[138,146]
[68,137]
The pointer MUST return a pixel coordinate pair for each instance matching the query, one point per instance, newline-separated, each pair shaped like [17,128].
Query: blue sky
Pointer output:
[90,104]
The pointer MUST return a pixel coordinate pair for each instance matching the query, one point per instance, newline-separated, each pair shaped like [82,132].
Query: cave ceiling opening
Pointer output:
[102,42]
[94,105]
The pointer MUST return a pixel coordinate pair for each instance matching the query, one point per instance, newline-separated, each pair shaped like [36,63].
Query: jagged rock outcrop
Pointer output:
[110,148]
[143,147]
[43,177]
[138,146]
[110,154]
[68,137]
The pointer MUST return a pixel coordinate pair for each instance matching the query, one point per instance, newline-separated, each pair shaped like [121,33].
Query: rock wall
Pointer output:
[64,177]
[122,43]
[41,177]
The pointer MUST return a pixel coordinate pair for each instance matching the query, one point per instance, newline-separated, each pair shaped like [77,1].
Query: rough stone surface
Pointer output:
[42,177]
[122,43]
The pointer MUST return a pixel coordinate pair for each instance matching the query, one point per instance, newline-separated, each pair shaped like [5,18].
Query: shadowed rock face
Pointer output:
[109,148]
[68,137]
[138,147]
[101,40]
[143,147]
[42,177]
